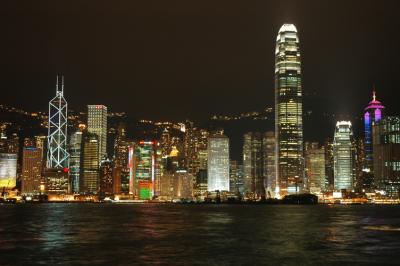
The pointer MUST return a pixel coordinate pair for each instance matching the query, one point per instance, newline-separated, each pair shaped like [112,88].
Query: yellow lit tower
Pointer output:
[288,113]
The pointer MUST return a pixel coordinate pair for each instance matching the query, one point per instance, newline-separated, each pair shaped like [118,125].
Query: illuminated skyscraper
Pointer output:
[386,147]
[288,111]
[97,124]
[253,164]
[145,169]
[373,114]
[106,178]
[343,157]
[75,144]
[31,170]
[57,155]
[315,167]
[218,163]
[8,170]
[269,164]
[89,166]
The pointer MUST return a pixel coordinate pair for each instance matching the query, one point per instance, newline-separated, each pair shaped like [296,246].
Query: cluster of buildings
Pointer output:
[190,163]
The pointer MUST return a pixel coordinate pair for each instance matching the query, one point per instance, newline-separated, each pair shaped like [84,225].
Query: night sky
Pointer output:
[190,59]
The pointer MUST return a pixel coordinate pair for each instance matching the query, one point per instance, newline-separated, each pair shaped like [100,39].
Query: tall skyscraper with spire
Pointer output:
[288,112]
[373,114]
[57,155]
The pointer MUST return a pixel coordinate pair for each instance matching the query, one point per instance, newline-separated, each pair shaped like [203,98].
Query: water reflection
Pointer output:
[198,234]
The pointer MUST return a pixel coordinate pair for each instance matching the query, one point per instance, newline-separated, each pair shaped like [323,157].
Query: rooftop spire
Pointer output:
[373,93]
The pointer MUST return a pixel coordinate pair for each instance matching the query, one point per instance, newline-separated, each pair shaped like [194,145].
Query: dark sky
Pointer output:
[178,59]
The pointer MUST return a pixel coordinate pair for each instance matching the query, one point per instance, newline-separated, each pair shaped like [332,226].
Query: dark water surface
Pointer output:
[76,234]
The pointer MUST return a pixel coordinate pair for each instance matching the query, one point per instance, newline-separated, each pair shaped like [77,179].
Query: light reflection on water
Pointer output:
[199,234]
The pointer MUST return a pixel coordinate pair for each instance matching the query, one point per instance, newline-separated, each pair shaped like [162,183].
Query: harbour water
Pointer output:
[174,234]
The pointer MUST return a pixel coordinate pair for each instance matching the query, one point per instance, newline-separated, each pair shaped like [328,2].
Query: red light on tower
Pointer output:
[66,170]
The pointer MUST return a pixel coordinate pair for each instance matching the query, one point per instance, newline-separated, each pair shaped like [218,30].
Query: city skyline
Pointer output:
[171,66]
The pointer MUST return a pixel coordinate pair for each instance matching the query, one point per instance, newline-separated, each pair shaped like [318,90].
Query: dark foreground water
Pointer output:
[73,234]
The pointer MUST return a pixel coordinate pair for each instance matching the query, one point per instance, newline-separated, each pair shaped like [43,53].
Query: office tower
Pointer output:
[57,181]
[116,180]
[8,171]
[183,185]
[253,165]
[315,167]
[121,156]
[201,184]
[75,145]
[373,114]
[31,171]
[106,178]
[145,169]
[57,155]
[218,163]
[89,165]
[97,124]
[343,157]
[236,183]
[386,148]
[288,111]
[269,164]
[329,172]
[40,144]
[195,141]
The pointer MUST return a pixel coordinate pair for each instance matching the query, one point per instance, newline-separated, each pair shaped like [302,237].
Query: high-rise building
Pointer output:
[106,178]
[75,145]
[386,148]
[269,164]
[253,164]
[315,167]
[57,155]
[288,111]
[329,165]
[121,156]
[218,163]
[31,171]
[343,157]
[89,166]
[183,185]
[57,181]
[236,177]
[373,114]
[97,124]
[145,169]
[8,170]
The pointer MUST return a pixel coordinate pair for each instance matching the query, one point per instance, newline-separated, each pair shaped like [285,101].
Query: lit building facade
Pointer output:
[97,124]
[31,171]
[57,155]
[343,157]
[253,164]
[373,114]
[106,178]
[57,181]
[315,168]
[75,143]
[288,112]
[269,164]
[386,148]
[8,170]
[218,163]
[145,169]
[89,166]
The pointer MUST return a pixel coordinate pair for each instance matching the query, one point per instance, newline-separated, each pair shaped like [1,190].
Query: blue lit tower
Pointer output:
[373,114]
[288,112]
[57,155]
